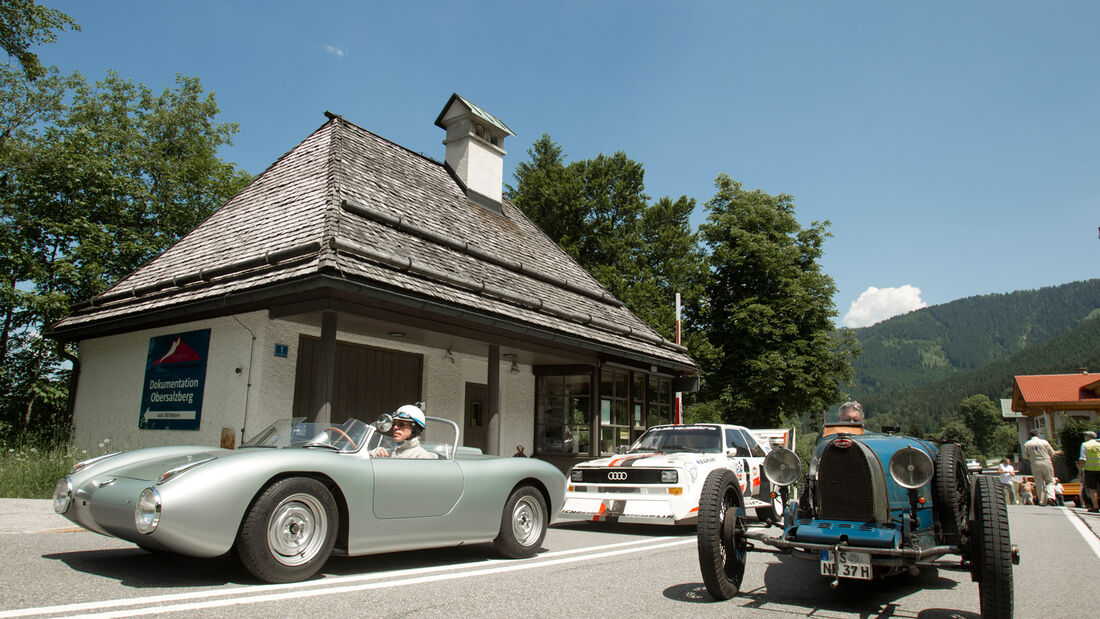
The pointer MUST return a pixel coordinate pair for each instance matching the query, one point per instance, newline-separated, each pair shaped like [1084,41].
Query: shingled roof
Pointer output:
[351,206]
[1051,389]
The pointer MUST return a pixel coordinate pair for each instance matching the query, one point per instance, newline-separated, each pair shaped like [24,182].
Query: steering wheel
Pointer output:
[344,434]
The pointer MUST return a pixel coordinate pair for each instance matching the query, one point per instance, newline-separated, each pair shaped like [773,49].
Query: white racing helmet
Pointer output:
[410,412]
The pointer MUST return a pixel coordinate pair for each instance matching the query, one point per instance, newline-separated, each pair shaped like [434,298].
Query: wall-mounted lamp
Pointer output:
[449,356]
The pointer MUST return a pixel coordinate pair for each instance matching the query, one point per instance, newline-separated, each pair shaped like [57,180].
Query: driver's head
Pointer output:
[851,412]
[408,422]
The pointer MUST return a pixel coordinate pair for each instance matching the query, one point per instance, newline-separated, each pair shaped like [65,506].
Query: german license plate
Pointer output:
[847,564]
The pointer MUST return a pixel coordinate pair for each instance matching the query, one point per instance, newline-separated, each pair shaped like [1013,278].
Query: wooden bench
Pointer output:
[1071,491]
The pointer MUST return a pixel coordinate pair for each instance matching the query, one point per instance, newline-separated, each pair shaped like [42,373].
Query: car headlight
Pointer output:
[575,475]
[86,463]
[147,511]
[910,468]
[782,467]
[669,476]
[62,495]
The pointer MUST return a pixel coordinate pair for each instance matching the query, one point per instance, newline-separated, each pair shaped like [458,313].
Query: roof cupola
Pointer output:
[475,151]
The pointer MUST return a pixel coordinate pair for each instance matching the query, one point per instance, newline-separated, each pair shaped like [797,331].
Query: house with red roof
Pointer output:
[1045,401]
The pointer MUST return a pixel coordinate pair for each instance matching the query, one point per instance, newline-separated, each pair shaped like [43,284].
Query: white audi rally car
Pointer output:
[660,478]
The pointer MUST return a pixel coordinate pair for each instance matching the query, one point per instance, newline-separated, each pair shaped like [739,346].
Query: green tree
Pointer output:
[983,418]
[954,430]
[24,24]
[770,310]
[92,190]
[597,211]
[1006,441]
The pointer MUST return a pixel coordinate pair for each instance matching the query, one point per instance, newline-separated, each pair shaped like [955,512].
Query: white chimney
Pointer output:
[475,153]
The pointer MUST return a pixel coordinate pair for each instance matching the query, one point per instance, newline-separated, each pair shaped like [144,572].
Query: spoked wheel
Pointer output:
[722,546]
[952,491]
[523,524]
[991,550]
[289,532]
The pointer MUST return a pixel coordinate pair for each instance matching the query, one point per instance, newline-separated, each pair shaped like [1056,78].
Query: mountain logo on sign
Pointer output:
[178,352]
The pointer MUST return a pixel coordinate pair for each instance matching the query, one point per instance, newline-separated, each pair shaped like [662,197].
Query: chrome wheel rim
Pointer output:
[297,529]
[527,519]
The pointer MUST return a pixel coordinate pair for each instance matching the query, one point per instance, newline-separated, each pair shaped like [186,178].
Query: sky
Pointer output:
[954,148]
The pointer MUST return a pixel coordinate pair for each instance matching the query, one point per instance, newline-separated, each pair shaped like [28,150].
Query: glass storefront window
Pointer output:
[614,410]
[660,400]
[563,417]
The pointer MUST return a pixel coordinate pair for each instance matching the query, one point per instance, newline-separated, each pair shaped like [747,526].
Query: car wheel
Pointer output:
[991,550]
[289,531]
[769,514]
[722,546]
[523,524]
[951,492]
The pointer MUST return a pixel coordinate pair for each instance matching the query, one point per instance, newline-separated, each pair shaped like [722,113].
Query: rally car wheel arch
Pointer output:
[722,546]
[951,492]
[289,531]
[522,524]
[991,549]
[771,513]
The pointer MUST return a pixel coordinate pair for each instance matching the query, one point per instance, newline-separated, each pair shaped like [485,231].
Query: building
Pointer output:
[353,276]
[1045,401]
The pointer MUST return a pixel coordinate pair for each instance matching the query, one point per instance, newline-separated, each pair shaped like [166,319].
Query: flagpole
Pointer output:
[679,395]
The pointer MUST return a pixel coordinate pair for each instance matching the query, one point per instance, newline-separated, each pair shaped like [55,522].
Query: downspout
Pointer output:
[248,386]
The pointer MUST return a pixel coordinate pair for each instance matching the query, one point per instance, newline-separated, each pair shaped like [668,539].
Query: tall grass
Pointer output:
[28,472]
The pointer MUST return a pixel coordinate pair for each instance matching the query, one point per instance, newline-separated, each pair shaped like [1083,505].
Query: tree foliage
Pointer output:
[983,418]
[597,211]
[24,24]
[97,179]
[770,310]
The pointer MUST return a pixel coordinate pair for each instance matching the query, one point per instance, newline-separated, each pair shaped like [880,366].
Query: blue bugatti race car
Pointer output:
[871,505]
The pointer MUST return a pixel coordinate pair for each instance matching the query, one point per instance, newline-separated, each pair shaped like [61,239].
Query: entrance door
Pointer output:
[369,381]
[473,430]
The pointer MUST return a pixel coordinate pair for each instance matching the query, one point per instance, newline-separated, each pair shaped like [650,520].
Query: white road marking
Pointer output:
[1084,530]
[326,586]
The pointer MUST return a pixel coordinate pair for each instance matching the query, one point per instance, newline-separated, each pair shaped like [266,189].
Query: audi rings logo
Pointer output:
[616,476]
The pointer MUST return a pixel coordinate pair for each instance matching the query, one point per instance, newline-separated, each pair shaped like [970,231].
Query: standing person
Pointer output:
[1041,455]
[1027,491]
[1007,472]
[1090,465]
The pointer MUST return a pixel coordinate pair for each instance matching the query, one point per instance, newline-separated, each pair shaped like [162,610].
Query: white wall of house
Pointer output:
[108,398]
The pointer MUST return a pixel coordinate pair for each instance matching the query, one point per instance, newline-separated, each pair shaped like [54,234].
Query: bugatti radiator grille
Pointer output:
[844,486]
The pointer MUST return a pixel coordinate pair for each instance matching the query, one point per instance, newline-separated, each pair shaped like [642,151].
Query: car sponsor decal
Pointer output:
[630,460]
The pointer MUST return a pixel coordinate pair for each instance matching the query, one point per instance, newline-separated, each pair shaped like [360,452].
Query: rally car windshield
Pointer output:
[675,439]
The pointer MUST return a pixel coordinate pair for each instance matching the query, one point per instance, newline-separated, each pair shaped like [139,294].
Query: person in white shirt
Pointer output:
[1041,455]
[1007,473]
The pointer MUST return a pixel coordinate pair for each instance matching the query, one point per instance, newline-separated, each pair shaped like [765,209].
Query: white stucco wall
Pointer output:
[108,397]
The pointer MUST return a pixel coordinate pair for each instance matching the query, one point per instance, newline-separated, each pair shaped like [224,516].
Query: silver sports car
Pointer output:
[299,492]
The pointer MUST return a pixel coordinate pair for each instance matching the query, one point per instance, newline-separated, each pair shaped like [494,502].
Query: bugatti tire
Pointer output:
[951,492]
[523,524]
[771,513]
[991,550]
[289,532]
[722,547]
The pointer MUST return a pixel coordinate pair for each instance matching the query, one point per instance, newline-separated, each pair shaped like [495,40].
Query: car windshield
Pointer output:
[296,433]
[680,438]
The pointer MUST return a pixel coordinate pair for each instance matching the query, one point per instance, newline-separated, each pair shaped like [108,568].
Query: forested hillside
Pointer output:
[934,343]
[920,410]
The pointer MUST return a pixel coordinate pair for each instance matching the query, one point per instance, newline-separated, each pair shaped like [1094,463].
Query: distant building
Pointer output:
[1045,401]
[353,276]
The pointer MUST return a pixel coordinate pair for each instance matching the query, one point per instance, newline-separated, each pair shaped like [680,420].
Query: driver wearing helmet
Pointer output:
[408,423]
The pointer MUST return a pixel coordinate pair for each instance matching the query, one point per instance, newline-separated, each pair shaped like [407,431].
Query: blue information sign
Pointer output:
[175,375]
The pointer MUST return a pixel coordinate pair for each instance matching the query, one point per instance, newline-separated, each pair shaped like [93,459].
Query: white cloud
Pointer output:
[878,304]
[335,51]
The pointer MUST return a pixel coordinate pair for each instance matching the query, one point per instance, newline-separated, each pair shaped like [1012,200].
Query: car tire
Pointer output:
[289,531]
[991,550]
[951,493]
[522,524]
[722,547]
[770,514]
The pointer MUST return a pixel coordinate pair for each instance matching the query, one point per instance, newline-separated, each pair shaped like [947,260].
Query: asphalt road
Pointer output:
[50,569]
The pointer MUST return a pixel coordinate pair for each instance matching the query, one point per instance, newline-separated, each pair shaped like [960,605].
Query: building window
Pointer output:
[615,417]
[660,400]
[563,418]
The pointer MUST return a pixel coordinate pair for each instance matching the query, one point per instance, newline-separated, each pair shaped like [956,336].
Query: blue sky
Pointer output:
[954,149]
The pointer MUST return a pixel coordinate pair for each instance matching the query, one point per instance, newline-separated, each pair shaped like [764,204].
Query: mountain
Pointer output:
[934,343]
[920,409]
